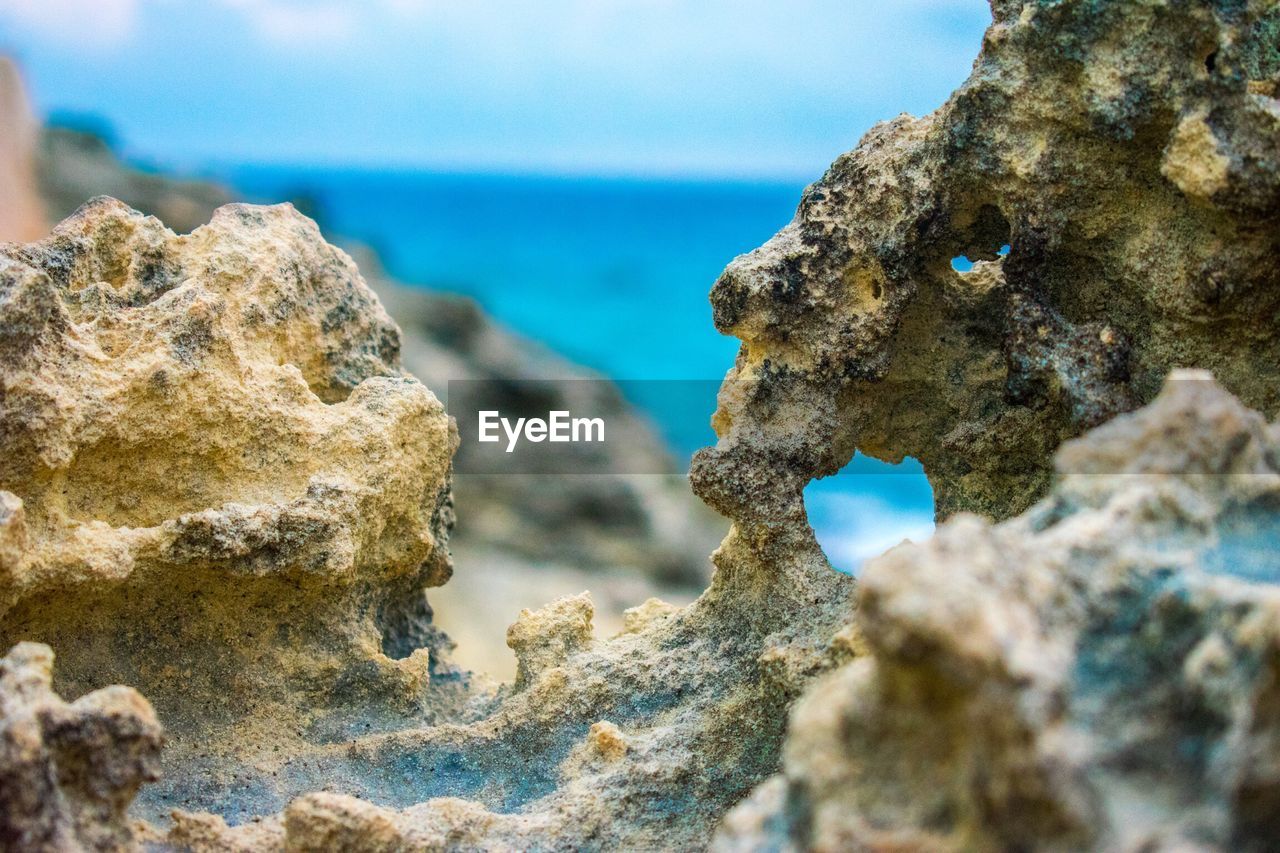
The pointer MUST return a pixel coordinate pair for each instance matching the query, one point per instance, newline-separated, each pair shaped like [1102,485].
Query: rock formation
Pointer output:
[69,771]
[1099,673]
[1125,153]
[247,537]
[220,488]
[217,485]
[626,537]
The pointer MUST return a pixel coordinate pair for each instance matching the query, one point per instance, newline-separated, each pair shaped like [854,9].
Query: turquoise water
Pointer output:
[612,273]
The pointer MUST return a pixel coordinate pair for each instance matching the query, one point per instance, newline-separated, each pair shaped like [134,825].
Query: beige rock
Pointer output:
[635,619]
[68,771]
[1096,673]
[1099,673]
[335,822]
[607,740]
[545,639]
[1194,160]
[1121,153]
[642,534]
[217,486]
[220,487]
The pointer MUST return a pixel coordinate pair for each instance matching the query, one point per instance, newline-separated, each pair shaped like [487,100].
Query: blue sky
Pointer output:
[618,87]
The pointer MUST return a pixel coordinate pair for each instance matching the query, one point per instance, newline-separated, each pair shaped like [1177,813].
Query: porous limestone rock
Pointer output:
[68,771]
[545,638]
[1125,153]
[1099,673]
[217,486]
[642,741]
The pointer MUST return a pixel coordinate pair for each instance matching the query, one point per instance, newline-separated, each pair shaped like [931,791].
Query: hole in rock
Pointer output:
[983,236]
[960,263]
[867,507]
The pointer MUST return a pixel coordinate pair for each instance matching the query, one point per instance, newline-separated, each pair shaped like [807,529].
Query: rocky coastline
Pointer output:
[226,510]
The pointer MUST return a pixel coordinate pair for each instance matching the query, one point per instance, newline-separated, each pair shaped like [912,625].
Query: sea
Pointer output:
[613,273]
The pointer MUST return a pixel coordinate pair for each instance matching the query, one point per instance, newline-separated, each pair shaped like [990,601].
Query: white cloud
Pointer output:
[91,24]
[307,22]
[296,23]
[108,24]
[407,8]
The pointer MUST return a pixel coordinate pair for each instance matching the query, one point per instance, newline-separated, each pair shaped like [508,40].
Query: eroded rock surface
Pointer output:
[642,741]
[68,771]
[217,486]
[1125,154]
[1099,673]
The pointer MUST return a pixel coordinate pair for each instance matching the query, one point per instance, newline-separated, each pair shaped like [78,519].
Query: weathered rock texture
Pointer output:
[219,488]
[642,741]
[215,483]
[1127,154]
[653,529]
[69,771]
[1099,673]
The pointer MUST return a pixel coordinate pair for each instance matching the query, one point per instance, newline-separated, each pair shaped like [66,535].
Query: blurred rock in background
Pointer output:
[78,160]
[21,216]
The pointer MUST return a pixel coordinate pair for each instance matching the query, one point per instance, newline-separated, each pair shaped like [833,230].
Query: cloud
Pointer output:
[308,22]
[89,24]
[296,23]
[407,8]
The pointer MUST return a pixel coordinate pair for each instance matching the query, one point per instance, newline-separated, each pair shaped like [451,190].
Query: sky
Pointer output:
[715,88]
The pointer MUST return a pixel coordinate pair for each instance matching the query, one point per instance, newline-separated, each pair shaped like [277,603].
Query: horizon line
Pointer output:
[221,169]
